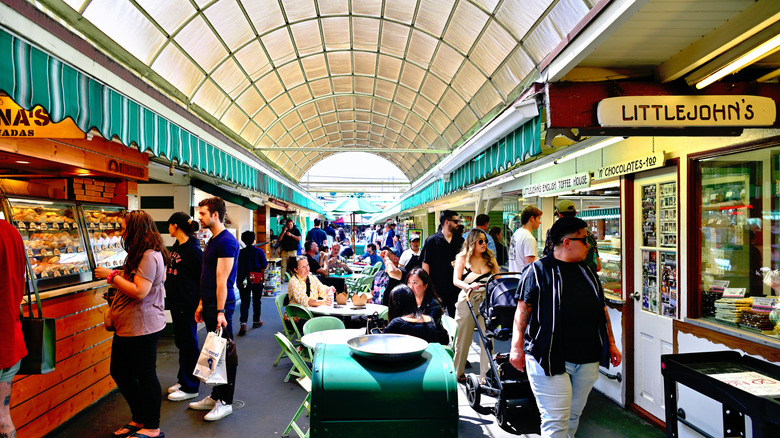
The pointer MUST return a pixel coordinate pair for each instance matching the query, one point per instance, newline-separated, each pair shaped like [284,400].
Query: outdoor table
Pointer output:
[357,267]
[335,336]
[347,310]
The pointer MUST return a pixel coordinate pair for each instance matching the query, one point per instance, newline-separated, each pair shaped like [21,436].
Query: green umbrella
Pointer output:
[353,206]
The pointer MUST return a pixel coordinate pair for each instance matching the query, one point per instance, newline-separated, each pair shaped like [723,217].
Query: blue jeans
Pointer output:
[185,331]
[561,398]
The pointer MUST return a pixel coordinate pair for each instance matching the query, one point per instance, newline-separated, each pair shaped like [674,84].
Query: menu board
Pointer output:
[649,220]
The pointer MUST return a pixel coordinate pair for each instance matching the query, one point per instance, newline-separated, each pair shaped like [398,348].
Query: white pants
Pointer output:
[562,397]
[466,332]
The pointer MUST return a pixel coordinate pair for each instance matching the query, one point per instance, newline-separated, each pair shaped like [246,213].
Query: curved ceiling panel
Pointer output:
[299,80]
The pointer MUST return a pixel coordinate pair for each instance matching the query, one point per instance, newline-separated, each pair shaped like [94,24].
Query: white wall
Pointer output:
[182,196]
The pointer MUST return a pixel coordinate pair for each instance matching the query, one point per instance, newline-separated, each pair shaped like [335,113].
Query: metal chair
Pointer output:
[321,323]
[304,380]
[451,327]
[281,301]
[303,314]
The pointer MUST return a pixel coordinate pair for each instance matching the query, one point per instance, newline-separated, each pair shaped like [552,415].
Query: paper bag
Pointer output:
[211,368]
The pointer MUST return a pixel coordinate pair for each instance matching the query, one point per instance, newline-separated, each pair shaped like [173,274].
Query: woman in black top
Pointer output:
[182,289]
[501,252]
[406,318]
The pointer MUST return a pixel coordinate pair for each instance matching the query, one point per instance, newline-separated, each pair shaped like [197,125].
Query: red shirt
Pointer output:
[12,347]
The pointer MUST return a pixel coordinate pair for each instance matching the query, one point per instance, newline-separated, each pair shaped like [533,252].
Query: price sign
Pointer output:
[33,226]
[21,226]
[69,250]
[44,275]
[57,273]
[74,225]
[65,226]
[44,253]
[29,253]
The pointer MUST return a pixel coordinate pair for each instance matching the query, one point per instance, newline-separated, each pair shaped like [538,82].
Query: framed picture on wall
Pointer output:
[413,232]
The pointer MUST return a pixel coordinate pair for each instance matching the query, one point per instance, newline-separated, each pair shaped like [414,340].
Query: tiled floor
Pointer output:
[264,403]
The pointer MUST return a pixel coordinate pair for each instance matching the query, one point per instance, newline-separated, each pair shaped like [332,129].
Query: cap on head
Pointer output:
[566,206]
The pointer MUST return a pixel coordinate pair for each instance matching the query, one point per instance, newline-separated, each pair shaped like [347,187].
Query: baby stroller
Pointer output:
[515,407]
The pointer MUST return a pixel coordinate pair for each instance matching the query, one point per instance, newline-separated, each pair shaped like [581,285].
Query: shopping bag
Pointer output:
[211,368]
[40,338]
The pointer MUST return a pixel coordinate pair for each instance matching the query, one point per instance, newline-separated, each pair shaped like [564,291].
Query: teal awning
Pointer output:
[522,143]
[32,77]
[600,213]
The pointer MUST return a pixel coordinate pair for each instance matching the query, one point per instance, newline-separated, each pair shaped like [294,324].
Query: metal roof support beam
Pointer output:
[352,149]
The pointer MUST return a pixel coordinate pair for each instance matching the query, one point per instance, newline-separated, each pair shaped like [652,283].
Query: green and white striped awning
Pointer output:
[600,213]
[32,77]
[522,143]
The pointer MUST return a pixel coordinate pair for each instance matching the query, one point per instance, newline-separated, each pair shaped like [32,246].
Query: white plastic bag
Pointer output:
[211,368]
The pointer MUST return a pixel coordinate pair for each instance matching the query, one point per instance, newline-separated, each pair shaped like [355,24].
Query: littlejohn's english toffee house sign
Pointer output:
[635,109]
[685,111]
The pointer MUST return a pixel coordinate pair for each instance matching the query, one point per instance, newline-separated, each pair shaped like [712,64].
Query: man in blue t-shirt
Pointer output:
[217,298]
[316,234]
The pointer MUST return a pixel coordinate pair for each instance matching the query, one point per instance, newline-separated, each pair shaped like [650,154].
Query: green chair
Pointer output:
[385,314]
[303,314]
[304,380]
[364,285]
[451,327]
[282,301]
[321,323]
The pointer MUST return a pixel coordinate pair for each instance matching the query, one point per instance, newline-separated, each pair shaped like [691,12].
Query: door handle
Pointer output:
[636,295]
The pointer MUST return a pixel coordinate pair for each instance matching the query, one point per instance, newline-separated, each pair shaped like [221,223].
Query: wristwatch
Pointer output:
[220,310]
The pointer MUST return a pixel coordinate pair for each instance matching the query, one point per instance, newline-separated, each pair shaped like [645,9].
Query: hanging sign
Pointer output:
[17,122]
[567,183]
[686,111]
[640,164]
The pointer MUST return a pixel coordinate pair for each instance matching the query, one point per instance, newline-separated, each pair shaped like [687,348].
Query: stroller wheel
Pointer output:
[474,395]
[501,414]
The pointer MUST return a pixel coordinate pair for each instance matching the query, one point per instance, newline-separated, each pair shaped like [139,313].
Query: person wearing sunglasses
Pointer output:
[560,298]
[473,265]
[437,256]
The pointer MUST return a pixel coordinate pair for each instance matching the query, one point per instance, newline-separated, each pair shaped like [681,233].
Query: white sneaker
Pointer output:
[206,404]
[220,411]
[174,388]
[181,395]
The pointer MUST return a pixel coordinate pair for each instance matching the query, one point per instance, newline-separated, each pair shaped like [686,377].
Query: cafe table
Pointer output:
[348,309]
[335,336]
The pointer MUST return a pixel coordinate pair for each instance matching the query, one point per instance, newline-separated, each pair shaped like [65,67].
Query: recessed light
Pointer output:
[23,162]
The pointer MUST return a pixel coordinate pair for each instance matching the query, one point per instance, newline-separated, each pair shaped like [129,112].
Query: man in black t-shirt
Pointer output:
[572,313]
[288,240]
[437,256]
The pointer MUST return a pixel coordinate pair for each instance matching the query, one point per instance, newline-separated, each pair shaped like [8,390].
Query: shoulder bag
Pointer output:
[40,336]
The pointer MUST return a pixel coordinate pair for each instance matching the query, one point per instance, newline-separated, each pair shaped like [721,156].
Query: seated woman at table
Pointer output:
[305,289]
[428,302]
[406,318]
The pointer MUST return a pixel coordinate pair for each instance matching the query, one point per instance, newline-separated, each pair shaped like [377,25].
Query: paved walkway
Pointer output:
[264,404]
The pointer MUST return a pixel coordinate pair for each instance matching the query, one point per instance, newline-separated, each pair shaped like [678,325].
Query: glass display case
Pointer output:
[610,275]
[53,240]
[104,228]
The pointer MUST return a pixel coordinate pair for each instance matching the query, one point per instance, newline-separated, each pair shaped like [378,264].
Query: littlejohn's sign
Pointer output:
[686,111]
[17,122]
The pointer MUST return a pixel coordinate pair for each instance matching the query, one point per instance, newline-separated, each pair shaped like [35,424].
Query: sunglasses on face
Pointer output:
[583,240]
[480,241]
[455,221]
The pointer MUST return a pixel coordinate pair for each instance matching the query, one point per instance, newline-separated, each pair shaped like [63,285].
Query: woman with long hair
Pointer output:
[427,301]
[182,288]
[305,289]
[406,318]
[473,265]
[137,313]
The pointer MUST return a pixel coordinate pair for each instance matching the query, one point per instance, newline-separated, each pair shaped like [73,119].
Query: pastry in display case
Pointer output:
[53,242]
[104,229]
[610,275]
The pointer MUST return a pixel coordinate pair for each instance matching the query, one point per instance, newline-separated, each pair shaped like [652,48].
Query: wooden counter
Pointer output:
[40,403]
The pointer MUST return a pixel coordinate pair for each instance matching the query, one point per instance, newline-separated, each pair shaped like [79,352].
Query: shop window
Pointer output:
[740,240]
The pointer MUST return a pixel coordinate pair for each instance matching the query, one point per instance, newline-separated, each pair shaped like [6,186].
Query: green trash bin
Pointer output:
[356,396]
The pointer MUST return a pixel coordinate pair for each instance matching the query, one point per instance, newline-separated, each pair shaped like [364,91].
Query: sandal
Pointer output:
[141,435]
[130,430]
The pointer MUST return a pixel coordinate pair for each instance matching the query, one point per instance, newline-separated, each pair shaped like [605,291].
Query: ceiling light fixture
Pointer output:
[764,49]
[589,149]
[22,162]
